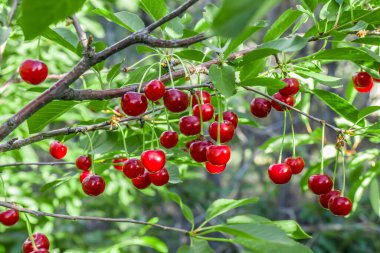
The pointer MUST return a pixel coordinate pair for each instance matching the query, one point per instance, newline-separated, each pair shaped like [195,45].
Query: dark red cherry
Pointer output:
[160,178]
[363,82]
[83,175]
[227,131]
[9,217]
[83,162]
[320,184]
[206,97]
[58,150]
[169,139]
[190,125]
[93,185]
[229,116]
[154,90]
[33,71]
[325,198]
[285,99]
[134,104]
[296,164]
[260,107]
[280,173]
[40,251]
[207,111]
[142,181]
[40,240]
[340,206]
[118,163]
[215,169]
[133,168]
[176,100]
[292,87]
[188,144]
[218,154]
[198,150]
[153,160]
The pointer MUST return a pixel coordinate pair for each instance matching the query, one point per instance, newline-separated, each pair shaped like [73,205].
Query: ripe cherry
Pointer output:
[215,169]
[142,181]
[363,82]
[33,71]
[9,217]
[218,154]
[169,139]
[176,100]
[160,177]
[227,131]
[206,97]
[292,87]
[229,116]
[154,90]
[58,150]
[133,168]
[153,160]
[325,198]
[260,107]
[83,175]
[198,150]
[207,111]
[190,125]
[289,100]
[118,163]
[93,185]
[296,164]
[188,144]
[40,251]
[134,104]
[340,205]
[280,173]
[320,184]
[40,240]
[83,162]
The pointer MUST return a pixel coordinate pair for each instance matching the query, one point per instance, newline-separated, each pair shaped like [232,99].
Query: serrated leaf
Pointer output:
[128,20]
[63,37]
[222,206]
[282,24]
[330,81]
[223,78]
[264,82]
[156,9]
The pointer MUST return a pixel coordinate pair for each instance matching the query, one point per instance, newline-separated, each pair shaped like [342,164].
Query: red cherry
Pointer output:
[287,100]
[83,175]
[176,100]
[117,109]
[9,217]
[160,177]
[227,131]
[207,111]
[229,116]
[40,251]
[280,173]
[153,160]
[133,168]
[215,169]
[190,125]
[58,150]
[260,107]
[83,162]
[142,182]
[320,184]
[118,163]
[218,154]
[154,90]
[33,71]
[325,198]
[40,240]
[93,185]
[198,150]
[292,87]
[363,82]
[188,144]
[206,97]
[296,164]
[169,139]
[340,206]
[134,104]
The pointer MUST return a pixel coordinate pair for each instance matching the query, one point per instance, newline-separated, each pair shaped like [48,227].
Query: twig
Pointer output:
[81,34]
[35,164]
[12,12]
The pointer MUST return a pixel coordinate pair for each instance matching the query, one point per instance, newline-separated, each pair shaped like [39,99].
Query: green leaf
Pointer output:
[264,82]
[282,24]
[223,78]
[156,9]
[185,209]
[114,71]
[37,15]
[222,206]
[367,111]
[128,20]
[63,37]
[368,40]
[174,28]
[58,182]
[374,196]
[251,69]
[134,77]
[194,55]
[4,34]
[292,229]
[347,53]
[330,81]
[196,246]
[310,4]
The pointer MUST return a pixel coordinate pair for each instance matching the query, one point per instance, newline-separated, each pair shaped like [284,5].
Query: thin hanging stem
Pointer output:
[167,119]
[283,139]
[335,167]
[124,136]
[344,174]
[143,77]
[38,47]
[199,108]
[170,72]
[143,129]
[92,153]
[3,187]
[219,118]
[30,233]
[323,144]
[293,135]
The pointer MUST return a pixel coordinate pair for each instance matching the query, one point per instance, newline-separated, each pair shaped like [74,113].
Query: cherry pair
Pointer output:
[9,217]
[203,108]
[281,173]
[41,242]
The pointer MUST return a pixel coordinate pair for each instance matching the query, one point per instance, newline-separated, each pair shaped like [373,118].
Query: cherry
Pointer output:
[207,111]
[190,125]
[292,87]
[118,163]
[40,240]
[198,150]
[117,109]
[153,160]
[260,107]
[93,185]
[176,100]
[9,217]
[280,173]
[169,139]
[83,175]
[160,177]
[363,82]
[325,198]
[33,71]
[142,182]
[154,90]
[134,104]
[188,144]
[289,100]
[215,169]
[40,251]
[227,131]
[229,116]
[296,164]
[206,97]
[83,162]
[133,168]
[340,206]
[58,150]
[320,184]
[218,154]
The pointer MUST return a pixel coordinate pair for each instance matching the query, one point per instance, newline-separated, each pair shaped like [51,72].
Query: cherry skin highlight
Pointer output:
[218,154]
[340,206]
[58,150]
[134,103]
[9,217]
[154,90]
[33,71]
[207,111]
[215,169]
[133,168]
[142,182]
[287,100]
[83,162]
[41,241]
[229,116]
[176,100]
[160,178]
[292,87]
[169,139]
[325,198]
[260,107]
[198,150]
[153,160]
[296,164]
[280,173]
[227,131]
[93,185]
[363,82]
[206,97]
[118,163]
[320,184]
[190,125]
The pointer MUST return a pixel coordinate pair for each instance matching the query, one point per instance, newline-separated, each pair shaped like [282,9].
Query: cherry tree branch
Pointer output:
[35,164]
[81,34]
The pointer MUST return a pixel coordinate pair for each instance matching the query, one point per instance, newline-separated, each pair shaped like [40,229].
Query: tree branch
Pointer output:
[35,164]
[81,34]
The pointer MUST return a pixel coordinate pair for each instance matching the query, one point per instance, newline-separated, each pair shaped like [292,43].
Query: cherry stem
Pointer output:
[30,233]
[219,118]
[293,135]
[344,174]
[183,66]
[153,131]
[92,153]
[143,77]
[200,103]
[323,144]
[283,138]
[38,47]
[167,119]
[124,136]
[3,186]
[335,167]
[143,129]
[170,72]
